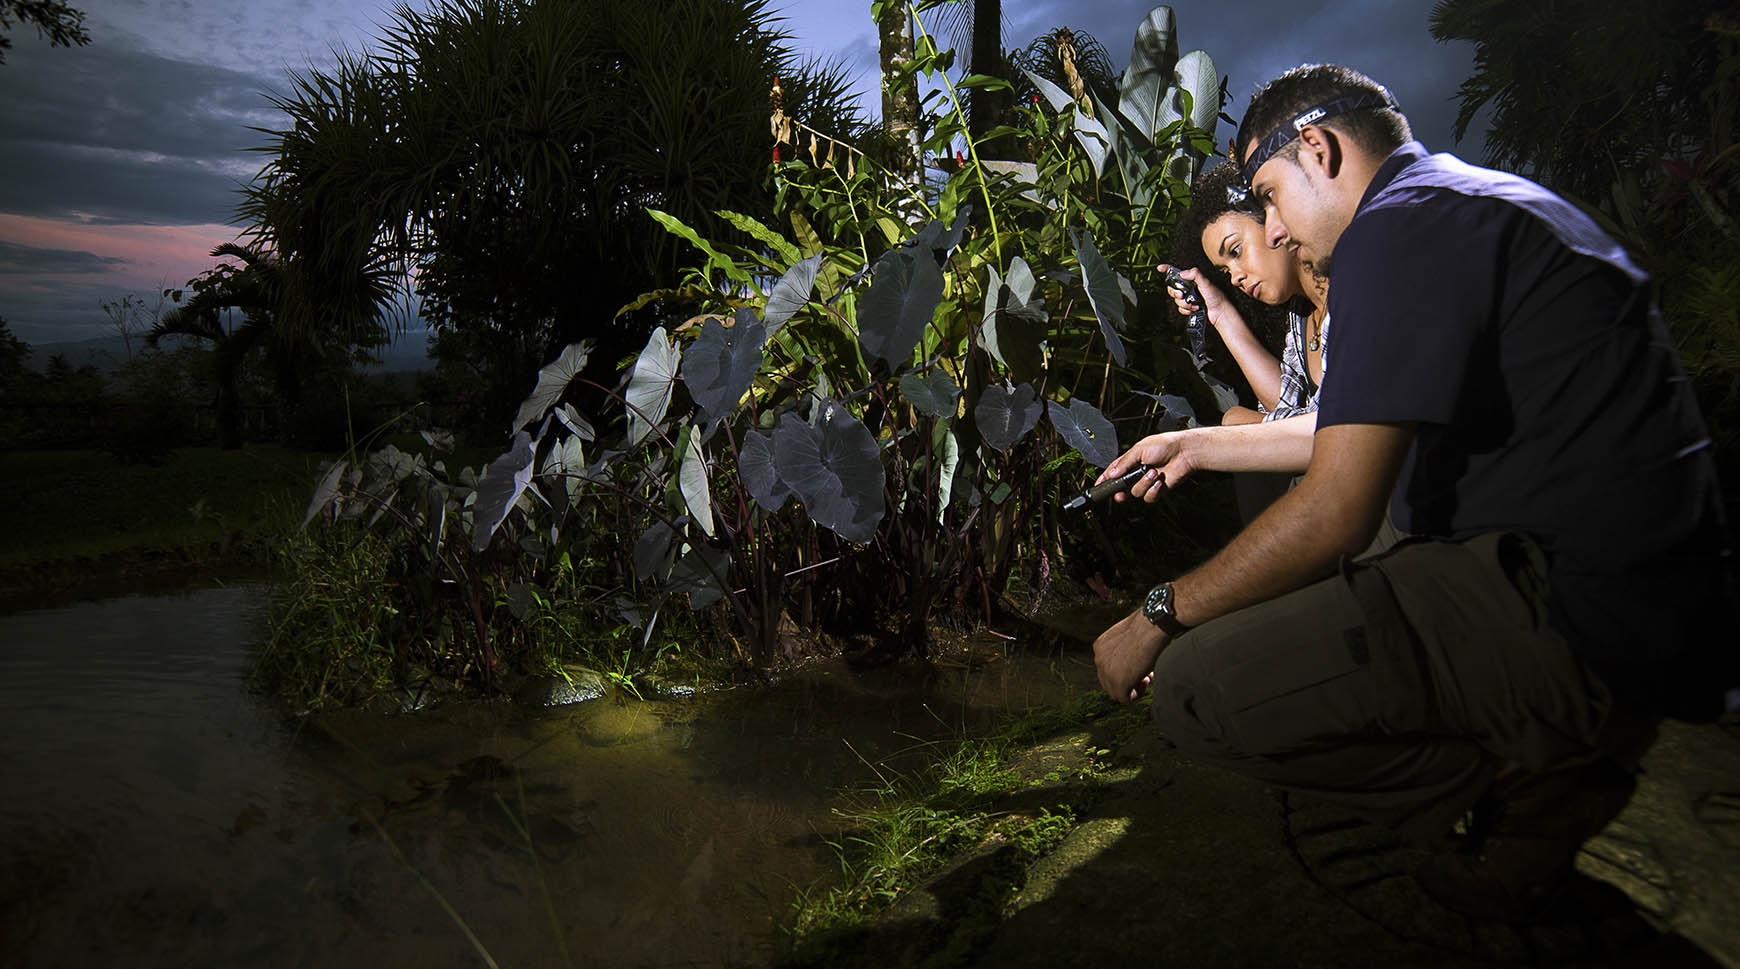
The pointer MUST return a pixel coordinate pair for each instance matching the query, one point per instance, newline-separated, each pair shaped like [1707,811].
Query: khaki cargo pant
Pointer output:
[1397,689]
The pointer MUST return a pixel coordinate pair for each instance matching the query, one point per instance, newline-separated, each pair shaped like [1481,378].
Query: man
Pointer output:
[1501,372]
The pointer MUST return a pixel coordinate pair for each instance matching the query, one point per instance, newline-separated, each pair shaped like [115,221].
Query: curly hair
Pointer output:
[1216,192]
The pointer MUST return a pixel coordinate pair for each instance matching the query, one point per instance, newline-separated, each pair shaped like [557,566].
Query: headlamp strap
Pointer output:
[1287,131]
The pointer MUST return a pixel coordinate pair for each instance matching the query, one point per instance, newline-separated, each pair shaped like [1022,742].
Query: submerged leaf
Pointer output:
[552,381]
[1103,292]
[722,362]
[902,298]
[1005,414]
[501,485]
[1086,430]
[835,469]
[649,390]
[933,393]
[755,468]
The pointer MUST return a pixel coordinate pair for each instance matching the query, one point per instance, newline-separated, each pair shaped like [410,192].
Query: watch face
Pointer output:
[1158,610]
[1159,602]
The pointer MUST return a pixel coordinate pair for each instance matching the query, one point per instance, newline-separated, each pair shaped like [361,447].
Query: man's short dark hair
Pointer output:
[1378,131]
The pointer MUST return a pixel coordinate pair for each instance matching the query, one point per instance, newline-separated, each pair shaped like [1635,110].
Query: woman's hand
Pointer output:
[1214,302]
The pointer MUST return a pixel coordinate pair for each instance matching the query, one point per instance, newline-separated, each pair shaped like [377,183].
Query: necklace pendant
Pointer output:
[1312,345]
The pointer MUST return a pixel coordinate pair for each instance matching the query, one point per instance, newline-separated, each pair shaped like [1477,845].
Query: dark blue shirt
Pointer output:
[1549,398]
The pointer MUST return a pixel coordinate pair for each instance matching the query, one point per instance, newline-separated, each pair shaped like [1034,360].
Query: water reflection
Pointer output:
[154,814]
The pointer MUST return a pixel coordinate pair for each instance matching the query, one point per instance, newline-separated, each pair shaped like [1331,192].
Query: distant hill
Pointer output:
[407,354]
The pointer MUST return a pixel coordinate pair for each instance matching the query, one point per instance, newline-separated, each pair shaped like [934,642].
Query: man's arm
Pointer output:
[1335,511]
[1283,445]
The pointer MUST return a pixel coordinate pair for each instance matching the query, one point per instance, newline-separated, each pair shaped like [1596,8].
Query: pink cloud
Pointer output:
[158,256]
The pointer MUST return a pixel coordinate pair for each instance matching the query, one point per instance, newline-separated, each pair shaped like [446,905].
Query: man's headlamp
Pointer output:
[1286,132]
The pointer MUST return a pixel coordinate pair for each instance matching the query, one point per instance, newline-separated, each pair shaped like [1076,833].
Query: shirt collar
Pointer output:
[1399,159]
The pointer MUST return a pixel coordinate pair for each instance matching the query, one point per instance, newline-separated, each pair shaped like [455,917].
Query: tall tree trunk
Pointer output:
[985,106]
[899,86]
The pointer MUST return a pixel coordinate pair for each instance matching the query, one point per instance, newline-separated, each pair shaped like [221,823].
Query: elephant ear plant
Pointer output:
[757,463]
[860,420]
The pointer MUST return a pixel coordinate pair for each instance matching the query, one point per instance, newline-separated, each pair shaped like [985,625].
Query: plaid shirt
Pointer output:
[1298,393]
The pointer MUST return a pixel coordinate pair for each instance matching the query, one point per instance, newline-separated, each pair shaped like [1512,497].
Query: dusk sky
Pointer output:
[120,159]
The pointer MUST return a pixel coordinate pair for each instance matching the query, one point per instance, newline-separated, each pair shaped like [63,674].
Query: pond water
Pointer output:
[155,814]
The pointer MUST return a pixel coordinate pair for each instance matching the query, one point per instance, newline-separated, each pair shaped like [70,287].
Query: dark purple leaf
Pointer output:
[1086,430]
[1005,414]
[722,362]
[901,300]
[933,393]
[835,469]
[755,468]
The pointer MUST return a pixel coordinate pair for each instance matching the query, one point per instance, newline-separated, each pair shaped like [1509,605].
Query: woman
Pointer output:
[1228,225]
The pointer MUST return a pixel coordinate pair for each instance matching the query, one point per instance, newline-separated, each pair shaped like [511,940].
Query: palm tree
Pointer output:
[209,314]
[977,26]
[500,156]
[284,311]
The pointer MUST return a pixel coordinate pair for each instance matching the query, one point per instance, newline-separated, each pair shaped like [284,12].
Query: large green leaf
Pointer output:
[1086,430]
[948,449]
[715,259]
[649,389]
[1104,293]
[1153,58]
[1055,96]
[1095,139]
[1005,414]
[835,469]
[692,483]
[933,393]
[501,485]
[552,381]
[902,298]
[791,292]
[722,362]
[1013,329]
[1020,279]
[1198,78]
[773,240]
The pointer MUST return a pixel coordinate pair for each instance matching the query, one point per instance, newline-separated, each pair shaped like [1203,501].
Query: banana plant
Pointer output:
[1158,94]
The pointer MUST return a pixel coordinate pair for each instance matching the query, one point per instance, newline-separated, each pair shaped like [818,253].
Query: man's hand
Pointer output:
[1162,451]
[1124,656]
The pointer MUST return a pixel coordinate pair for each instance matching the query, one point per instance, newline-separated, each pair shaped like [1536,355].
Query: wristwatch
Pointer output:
[1158,609]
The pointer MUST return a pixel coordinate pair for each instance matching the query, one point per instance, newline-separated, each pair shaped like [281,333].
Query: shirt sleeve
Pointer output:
[1412,293]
